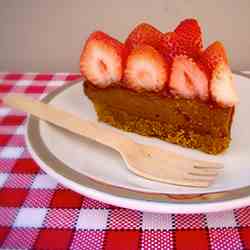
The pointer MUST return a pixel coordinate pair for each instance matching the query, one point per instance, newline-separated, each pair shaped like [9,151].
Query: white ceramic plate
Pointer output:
[88,167]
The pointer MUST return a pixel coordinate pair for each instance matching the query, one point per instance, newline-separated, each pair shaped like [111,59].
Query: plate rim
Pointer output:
[206,202]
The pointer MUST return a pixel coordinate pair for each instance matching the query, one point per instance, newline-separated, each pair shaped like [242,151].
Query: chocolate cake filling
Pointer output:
[188,122]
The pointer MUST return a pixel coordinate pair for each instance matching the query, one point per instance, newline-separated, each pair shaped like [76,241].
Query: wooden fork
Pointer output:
[147,161]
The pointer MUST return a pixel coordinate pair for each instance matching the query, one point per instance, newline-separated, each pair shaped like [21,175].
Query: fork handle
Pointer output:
[68,121]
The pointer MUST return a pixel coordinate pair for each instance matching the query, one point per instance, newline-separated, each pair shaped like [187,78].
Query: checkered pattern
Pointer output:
[38,213]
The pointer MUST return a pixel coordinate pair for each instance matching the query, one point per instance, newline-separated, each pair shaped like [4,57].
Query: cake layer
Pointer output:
[190,123]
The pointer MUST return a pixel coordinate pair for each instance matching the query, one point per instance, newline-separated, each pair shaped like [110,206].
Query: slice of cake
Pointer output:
[163,85]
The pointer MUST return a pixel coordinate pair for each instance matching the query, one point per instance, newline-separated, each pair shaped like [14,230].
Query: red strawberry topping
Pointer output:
[102,59]
[145,69]
[215,60]
[222,87]
[185,40]
[187,79]
[171,47]
[212,55]
[144,34]
[189,32]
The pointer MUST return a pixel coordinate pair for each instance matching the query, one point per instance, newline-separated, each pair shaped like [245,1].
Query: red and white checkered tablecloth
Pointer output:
[38,213]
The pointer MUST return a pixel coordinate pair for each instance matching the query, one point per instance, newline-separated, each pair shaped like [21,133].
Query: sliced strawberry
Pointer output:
[101,61]
[187,79]
[214,54]
[189,32]
[144,33]
[145,69]
[170,47]
[222,87]
[185,40]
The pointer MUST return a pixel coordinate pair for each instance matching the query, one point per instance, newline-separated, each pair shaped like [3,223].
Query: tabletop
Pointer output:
[36,212]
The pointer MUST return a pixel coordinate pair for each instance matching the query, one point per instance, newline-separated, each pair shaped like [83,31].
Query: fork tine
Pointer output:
[208,165]
[204,172]
[196,182]
[201,177]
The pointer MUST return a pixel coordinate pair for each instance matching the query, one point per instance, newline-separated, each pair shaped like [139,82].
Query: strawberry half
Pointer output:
[170,47]
[101,61]
[222,87]
[144,34]
[185,40]
[189,32]
[145,69]
[187,79]
[214,54]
